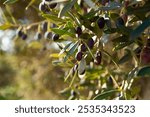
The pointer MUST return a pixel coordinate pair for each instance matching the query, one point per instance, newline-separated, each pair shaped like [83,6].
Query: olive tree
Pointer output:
[102,45]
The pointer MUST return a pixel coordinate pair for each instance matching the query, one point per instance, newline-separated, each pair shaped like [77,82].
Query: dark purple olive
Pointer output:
[119,22]
[24,36]
[79,56]
[73,93]
[42,7]
[83,48]
[104,2]
[52,6]
[38,36]
[48,35]
[78,31]
[90,43]
[109,82]
[101,22]
[44,26]
[98,58]
[19,33]
[55,37]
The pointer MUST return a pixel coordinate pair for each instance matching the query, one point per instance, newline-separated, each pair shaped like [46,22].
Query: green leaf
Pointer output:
[31,3]
[66,8]
[135,33]
[62,32]
[105,94]
[53,18]
[5,26]
[145,71]
[10,1]
[71,51]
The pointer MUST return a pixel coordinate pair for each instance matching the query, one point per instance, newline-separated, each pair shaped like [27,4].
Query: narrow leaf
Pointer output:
[66,8]
[106,94]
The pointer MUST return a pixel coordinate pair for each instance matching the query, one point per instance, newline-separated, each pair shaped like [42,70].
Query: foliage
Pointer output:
[103,45]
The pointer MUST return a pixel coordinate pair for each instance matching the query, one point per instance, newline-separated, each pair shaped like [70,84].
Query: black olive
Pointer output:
[52,6]
[104,2]
[78,31]
[83,48]
[44,26]
[38,36]
[24,36]
[90,43]
[19,33]
[42,7]
[101,22]
[48,35]
[79,56]
[55,37]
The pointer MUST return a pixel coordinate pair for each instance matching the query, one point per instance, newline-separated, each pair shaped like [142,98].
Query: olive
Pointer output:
[90,43]
[55,37]
[52,6]
[44,26]
[79,56]
[38,36]
[42,7]
[101,22]
[24,36]
[73,93]
[119,22]
[19,33]
[78,31]
[83,48]
[48,35]
[110,82]
[104,2]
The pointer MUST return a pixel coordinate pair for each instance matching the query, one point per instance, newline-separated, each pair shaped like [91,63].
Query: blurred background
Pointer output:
[26,70]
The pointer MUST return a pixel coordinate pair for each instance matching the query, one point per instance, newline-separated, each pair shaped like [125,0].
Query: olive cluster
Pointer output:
[46,5]
[43,31]
[83,48]
[21,33]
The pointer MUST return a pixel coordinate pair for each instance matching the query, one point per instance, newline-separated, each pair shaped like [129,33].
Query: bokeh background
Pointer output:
[26,70]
